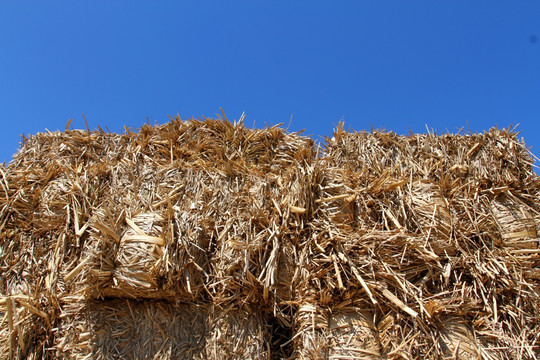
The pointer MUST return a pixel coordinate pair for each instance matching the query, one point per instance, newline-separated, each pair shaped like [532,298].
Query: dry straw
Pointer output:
[126,329]
[204,239]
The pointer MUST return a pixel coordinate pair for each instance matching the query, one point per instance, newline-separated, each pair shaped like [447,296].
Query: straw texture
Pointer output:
[204,239]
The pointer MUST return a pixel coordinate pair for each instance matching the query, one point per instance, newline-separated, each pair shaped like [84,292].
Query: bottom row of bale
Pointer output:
[128,329]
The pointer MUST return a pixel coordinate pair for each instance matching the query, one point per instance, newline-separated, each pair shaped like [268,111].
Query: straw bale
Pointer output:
[432,212]
[188,173]
[457,339]
[349,331]
[139,251]
[379,168]
[494,158]
[69,200]
[344,332]
[515,221]
[250,244]
[421,227]
[139,257]
[25,327]
[311,326]
[127,329]
[237,334]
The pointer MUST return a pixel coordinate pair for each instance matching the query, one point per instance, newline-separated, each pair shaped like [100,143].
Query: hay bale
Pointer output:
[353,334]
[197,206]
[237,334]
[25,328]
[139,252]
[457,339]
[126,329]
[515,221]
[403,221]
[431,210]
[344,332]
[311,327]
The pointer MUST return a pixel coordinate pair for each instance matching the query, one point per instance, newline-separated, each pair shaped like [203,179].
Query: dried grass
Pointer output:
[126,329]
[205,239]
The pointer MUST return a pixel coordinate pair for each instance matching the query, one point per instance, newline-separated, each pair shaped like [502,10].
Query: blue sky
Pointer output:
[396,65]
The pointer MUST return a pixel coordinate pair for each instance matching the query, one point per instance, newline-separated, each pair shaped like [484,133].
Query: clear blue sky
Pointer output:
[388,64]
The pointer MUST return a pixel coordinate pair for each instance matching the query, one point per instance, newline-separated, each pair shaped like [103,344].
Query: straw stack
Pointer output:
[204,239]
[438,233]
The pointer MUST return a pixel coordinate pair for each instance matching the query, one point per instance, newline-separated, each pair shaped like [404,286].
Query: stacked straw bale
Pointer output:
[436,235]
[204,239]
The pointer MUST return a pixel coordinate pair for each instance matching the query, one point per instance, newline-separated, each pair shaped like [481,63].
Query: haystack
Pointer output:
[204,239]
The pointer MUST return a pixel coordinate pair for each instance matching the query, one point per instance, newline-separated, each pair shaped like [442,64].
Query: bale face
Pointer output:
[457,340]
[126,329]
[139,252]
[340,333]
[432,213]
[515,221]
